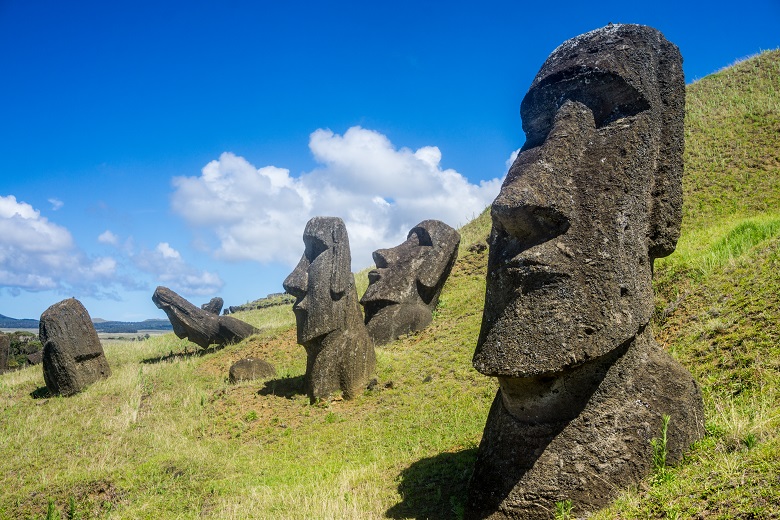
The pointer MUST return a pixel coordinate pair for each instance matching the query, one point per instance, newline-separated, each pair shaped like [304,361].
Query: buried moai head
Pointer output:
[404,288]
[321,279]
[591,200]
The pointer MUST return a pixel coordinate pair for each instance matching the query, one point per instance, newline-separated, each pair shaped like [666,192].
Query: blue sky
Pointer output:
[187,143]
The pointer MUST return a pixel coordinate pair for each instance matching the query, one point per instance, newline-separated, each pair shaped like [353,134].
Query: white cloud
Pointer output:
[39,255]
[107,237]
[167,266]
[380,192]
[512,157]
[56,204]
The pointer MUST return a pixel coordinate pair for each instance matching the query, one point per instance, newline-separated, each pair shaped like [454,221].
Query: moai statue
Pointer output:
[404,288]
[593,198]
[340,354]
[200,326]
[214,306]
[72,354]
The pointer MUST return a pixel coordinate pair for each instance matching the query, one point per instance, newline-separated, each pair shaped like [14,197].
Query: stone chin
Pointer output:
[396,319]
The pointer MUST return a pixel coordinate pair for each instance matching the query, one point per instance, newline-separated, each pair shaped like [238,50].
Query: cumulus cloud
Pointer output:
[38,255]
[167,266]
[107,237]
[379,190]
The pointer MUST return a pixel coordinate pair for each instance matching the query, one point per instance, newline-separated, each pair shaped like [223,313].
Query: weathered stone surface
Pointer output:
[72,354]
[5,347]
[248,369]
[214,306]
[404,288]
[592,199]
[340,354]
[201,327]
[36,358]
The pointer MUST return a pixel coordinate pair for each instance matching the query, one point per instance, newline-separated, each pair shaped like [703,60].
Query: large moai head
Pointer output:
[321,279]
[404,288]
[591,200]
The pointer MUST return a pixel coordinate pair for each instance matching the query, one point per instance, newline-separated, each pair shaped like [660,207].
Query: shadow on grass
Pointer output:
[435,487]
[284,387]
[41,393]
[173,356]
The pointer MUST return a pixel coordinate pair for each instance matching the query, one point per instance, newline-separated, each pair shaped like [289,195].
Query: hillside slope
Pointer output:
[168,437]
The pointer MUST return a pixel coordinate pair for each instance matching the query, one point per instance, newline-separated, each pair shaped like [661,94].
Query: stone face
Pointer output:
[248,369]
[5,347]
[404,288]
[201,327]
[591,200]
[214,306]
[72,354]
[340,354]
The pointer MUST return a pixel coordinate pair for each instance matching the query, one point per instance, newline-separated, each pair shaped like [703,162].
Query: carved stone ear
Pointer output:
[666,205]
[341,273]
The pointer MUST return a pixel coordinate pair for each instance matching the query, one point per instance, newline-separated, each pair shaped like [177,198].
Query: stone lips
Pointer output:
[596,443]
[72,354]
[404,287]
[592,199]
[199,326]
[340,354]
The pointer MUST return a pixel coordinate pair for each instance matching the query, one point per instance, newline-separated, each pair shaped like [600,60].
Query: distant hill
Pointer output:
[13,323]
[100,325]
[132,326]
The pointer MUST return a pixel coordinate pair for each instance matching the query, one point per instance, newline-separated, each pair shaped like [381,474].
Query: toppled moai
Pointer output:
[340,354]
[593,198]
[404,288]
[72,354]
[199,326]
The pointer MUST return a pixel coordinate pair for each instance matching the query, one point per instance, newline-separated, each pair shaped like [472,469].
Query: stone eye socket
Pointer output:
[607,95]
[314,247]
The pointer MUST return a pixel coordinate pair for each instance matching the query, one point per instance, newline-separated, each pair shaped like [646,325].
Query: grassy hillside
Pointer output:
[168,437]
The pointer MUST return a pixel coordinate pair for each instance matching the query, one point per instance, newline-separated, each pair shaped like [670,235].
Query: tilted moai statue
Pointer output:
[73,357]
[592,199]
[340,354]
[404,288]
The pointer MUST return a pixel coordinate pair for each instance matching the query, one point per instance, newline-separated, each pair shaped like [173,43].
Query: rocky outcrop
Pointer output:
[73,357]
[200,327]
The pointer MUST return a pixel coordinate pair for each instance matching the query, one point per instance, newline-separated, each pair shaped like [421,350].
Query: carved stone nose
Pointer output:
[384,257]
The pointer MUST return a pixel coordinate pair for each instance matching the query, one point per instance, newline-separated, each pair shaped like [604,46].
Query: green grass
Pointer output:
[168,437]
